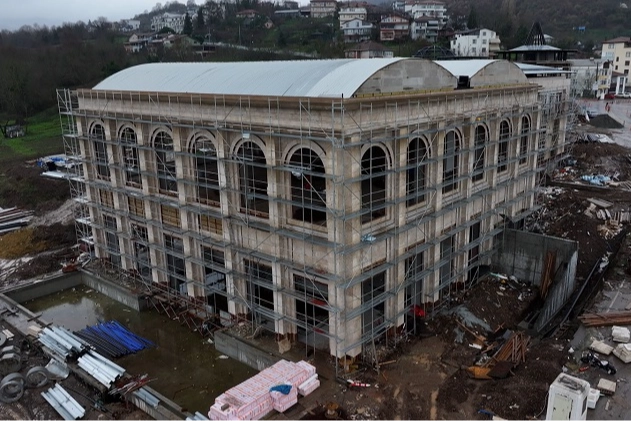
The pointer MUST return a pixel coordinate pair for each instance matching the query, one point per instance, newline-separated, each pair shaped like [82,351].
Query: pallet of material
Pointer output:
[606,319]
[252,399]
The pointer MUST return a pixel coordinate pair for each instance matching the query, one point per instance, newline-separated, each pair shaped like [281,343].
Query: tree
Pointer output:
[472,21]
[199,22]
[188,25]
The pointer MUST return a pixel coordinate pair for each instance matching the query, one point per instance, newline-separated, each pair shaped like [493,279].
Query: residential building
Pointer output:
[138,42]
[357,30]
[428,8]
[168,20]
[618,51]
[424,27]
[591,78]
[247,14]
[369,49]
[475,43]
[351,13]
[394,27]
[323,8]
[291,4]
[332,229]
[129,25]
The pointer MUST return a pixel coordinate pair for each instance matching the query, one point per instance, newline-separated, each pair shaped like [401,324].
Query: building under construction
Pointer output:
[327,201]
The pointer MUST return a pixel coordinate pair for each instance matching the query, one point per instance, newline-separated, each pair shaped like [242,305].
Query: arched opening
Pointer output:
[481,137]
[165,159]
[416,175]
[253,179]
[308,187]
[451,151]
[373,183]
[502,155]
[523,140]
[206,171]
[131,162]
[100,151]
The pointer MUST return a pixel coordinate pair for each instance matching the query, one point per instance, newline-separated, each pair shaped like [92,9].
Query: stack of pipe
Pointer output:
[99,367]
[113,340]
[62,342]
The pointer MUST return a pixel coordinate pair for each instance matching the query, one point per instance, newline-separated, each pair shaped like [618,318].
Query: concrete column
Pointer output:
[436,176]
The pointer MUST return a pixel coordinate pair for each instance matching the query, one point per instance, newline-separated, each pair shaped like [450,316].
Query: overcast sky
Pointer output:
[16,13]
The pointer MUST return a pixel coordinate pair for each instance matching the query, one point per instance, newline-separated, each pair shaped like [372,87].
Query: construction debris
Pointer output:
[13,219]
[500,356]
[601,347]
[623,352]
[606,319]
[620,334]
[607,386]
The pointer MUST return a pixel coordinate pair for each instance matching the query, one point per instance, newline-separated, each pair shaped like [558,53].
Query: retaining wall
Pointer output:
[249,354]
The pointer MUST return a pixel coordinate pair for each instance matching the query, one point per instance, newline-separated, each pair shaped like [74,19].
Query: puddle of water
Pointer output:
[186,369]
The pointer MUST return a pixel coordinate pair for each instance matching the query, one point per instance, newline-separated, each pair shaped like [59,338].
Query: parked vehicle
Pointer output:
[610,95]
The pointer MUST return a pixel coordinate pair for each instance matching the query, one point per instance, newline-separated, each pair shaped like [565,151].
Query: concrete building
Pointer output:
[476,43]
[618,51]
[394,27]
[168,20]
[425,28]
[591,78]
[325,201]
[356,30]
[429,8]
[323,8]
[348,14]
[369,49]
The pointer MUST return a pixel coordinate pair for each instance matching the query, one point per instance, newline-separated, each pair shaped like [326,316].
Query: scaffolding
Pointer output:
[336,223]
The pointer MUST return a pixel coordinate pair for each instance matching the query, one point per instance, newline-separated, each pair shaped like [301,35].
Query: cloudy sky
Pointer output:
[16,13]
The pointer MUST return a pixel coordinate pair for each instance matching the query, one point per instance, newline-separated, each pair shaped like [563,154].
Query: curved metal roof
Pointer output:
[304,78]
[463,67]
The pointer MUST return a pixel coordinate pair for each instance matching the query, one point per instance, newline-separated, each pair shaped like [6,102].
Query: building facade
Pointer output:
[369,49]
[432,9]
[356,30]
[323,8]
[618,51]
[326,202]
[168,20]
[477,43]
[352,13]
[591,78]
[394,27]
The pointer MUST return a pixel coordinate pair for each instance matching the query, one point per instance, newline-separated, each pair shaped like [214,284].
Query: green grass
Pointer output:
[43,138]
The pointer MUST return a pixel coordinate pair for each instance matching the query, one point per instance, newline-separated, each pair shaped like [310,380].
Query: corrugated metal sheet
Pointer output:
[463,67]
[305,78]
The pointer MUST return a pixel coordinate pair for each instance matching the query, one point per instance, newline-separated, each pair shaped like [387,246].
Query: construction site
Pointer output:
[329,202]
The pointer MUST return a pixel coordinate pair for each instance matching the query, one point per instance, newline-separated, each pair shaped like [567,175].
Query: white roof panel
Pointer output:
[530,69]
[535,48]
[463,67]
[305,78]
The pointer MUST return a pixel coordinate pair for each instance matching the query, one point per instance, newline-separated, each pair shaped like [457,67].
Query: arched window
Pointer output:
[206,171]
[416,176]
[253,179]
[131,162]
[481,137]
[100,151]
[451,161]
[373,183]
[308,187]
[523,140]
[165,160]
[502,155]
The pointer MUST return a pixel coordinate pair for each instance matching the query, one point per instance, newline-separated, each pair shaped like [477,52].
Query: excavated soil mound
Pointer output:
[604,121]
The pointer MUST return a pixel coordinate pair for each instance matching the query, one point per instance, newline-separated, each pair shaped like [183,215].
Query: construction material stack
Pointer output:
[253,399]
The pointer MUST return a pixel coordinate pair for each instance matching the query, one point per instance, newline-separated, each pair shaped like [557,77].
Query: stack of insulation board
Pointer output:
[282,403]
[252,399]
[312,383]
